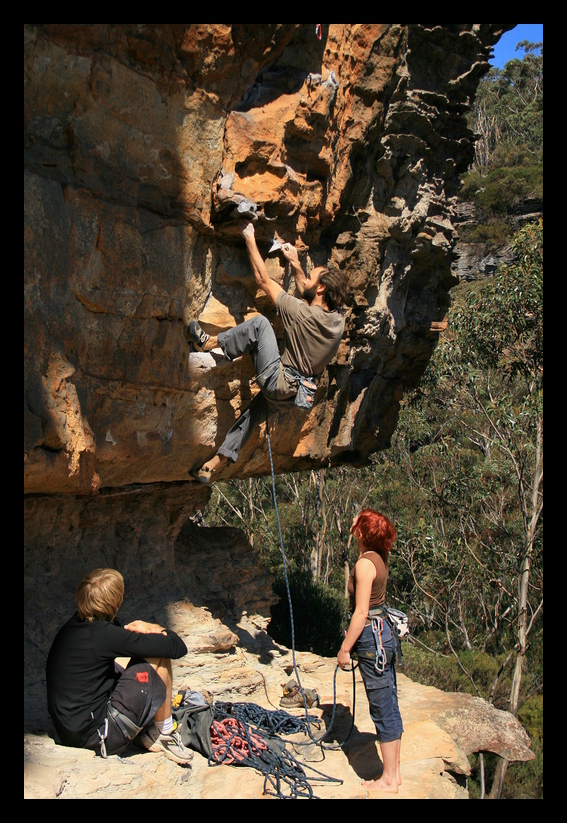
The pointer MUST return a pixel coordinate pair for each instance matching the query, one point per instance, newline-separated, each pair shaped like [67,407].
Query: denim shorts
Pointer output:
[381,687]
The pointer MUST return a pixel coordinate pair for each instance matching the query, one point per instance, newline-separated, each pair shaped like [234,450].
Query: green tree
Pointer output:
[471,554]
[508,111]
[507,173]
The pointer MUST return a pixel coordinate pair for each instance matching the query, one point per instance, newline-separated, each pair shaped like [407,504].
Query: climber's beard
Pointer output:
[309,294]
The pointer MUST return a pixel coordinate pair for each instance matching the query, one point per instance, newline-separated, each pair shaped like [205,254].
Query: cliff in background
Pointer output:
[143,146]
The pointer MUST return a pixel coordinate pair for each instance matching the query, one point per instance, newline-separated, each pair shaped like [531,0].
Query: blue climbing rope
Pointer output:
[318,742]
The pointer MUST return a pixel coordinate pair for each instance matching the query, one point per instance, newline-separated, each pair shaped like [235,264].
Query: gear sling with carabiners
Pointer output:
[381,656]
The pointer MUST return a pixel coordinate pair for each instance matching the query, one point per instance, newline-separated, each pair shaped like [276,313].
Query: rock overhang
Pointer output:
[145,146]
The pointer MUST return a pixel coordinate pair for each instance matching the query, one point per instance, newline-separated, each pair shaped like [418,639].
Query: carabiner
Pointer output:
[377,626]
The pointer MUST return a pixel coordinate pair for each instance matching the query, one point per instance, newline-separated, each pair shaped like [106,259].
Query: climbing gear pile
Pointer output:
[235,743]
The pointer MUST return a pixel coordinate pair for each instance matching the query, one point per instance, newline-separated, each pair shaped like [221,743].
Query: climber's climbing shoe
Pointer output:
[197,336]
[202,475]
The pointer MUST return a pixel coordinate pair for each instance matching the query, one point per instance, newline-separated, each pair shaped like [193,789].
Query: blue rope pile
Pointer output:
[266,720]
[284,776]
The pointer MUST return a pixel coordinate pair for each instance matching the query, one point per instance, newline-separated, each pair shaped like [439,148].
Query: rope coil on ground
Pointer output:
[272,722]
[234,743]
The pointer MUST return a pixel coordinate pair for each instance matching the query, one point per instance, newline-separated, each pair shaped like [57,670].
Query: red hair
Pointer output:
[378,534]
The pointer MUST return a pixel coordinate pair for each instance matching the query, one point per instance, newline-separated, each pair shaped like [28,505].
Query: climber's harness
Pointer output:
[129,729]
[262,378]
[306,386]
[398,623]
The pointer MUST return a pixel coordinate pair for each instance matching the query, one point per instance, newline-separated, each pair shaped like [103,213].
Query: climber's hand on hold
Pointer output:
[247,230]
[290,253]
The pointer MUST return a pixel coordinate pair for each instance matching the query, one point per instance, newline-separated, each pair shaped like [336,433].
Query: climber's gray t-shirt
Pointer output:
[311,339]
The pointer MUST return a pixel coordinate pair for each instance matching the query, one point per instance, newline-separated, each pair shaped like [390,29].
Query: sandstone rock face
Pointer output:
[143,146]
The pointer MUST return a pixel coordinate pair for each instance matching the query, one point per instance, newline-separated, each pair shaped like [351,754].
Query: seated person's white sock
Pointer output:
[164,726]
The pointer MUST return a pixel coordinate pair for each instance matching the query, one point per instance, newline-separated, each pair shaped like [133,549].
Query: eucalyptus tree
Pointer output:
[474,547]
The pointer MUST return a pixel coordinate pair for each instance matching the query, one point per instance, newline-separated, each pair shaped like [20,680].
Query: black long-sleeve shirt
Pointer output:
[81,674]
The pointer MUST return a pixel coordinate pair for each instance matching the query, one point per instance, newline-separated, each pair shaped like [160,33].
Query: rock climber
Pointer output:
[93,701]
[313,328]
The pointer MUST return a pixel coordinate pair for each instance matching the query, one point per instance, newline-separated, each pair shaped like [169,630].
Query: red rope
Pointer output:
[231,742]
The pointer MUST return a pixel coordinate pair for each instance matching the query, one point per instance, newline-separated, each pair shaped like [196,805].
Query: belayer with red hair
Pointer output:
[369,637]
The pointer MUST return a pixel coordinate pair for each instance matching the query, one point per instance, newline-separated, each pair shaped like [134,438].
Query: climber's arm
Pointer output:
[290,254]
[261,275]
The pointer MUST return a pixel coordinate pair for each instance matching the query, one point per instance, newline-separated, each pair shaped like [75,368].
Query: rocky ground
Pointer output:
[440,730]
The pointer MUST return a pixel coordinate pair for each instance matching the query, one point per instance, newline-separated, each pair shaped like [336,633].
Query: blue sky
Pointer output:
[505,49]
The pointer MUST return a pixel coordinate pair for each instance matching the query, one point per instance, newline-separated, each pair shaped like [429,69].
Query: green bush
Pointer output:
[319,615]
[493,233]
[525,780]
[501,191]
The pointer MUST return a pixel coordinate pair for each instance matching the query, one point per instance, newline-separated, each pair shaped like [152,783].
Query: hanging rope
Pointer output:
[318,742]
[235,743]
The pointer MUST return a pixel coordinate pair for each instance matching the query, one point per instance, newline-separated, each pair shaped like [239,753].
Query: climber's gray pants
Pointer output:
[255,336]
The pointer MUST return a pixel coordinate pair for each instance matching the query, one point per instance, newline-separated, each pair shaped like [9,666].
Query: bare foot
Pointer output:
[381,785]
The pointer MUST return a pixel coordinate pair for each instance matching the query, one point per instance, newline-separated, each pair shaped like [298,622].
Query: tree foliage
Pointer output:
[506,177]
[507,112]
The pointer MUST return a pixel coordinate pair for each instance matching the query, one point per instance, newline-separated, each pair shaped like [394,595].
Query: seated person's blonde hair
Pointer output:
[99,595]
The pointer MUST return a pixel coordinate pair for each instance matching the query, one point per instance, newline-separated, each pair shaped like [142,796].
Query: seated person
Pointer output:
[95,703]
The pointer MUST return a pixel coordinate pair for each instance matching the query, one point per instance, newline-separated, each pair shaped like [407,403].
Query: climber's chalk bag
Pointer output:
[306,388]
